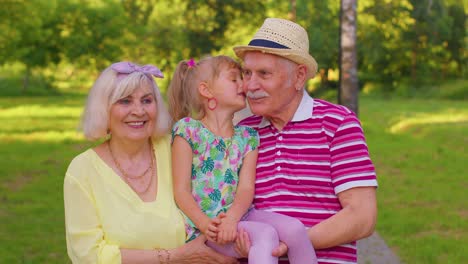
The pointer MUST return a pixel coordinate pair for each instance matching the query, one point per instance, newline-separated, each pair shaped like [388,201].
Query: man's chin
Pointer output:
[257,111]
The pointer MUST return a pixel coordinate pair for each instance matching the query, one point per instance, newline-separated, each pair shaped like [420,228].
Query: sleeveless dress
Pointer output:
[216,164]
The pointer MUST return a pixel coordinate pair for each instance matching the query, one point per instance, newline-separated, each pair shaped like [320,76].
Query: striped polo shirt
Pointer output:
[301,169]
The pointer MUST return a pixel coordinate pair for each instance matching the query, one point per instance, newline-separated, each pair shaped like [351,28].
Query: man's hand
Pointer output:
[243,244]
[281,250]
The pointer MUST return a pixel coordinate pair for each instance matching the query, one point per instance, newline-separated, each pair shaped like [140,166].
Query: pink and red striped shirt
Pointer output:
[301,169]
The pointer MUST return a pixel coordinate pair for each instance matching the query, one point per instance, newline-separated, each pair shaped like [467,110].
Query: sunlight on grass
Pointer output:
[37,110]
[44,136]
[40,123]
[429,119]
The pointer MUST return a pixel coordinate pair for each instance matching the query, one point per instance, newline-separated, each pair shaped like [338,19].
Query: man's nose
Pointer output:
[251,84]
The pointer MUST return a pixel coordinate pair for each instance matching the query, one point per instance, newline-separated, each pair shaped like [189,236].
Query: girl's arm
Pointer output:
[242,200]
[245,188]
[181,173]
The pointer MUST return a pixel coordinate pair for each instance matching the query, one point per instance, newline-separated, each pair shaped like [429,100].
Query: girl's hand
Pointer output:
[227,231]
[210,228]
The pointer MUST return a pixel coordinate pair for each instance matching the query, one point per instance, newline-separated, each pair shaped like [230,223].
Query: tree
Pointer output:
[319,18]
[348,91]
[30,29]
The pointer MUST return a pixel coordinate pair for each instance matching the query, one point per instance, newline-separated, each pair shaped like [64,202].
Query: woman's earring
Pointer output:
[212,103]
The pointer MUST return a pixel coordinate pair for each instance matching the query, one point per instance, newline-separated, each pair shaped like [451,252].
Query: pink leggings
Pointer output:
[265,230]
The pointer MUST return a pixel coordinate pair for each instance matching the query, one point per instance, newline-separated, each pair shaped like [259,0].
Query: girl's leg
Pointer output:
[291,231]
[263,238]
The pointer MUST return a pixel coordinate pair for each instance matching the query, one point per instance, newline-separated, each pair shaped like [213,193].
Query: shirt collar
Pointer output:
[303,112]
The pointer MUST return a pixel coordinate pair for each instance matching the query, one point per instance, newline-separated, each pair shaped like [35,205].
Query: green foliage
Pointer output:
[11,80]
[65,44]
[407,42]
[450,90]
[323,20]
[91,32]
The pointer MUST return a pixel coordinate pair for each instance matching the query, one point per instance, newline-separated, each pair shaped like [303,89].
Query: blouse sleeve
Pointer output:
[252,139]
[84,235]
[184,128]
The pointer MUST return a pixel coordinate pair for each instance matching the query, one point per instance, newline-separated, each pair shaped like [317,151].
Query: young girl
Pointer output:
[214,165]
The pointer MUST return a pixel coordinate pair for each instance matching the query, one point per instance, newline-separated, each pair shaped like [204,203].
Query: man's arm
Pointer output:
[355,221]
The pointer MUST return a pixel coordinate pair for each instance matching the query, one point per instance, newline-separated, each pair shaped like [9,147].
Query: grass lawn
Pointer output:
[418,148]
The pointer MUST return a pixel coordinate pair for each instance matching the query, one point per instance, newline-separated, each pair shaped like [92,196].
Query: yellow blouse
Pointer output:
[103,214]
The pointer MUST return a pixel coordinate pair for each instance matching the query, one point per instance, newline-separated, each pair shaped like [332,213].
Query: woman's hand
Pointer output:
[197,252]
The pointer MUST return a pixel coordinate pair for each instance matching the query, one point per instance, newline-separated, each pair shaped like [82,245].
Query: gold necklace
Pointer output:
[123,172]
[128,179]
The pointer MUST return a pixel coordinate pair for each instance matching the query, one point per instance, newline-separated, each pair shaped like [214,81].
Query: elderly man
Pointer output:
[313,161]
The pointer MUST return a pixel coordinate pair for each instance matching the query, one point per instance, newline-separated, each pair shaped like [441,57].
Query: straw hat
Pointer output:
[283,38]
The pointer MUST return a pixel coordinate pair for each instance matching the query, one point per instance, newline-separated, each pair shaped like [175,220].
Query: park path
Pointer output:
[374,250]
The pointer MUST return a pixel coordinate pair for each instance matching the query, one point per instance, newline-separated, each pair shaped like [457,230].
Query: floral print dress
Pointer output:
[216,165]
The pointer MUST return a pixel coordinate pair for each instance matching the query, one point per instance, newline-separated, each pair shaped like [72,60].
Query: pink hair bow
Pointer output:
[125,67]
[191,63]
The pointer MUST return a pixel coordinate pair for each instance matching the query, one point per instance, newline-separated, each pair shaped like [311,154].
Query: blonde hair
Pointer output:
[107,90]
[183,96]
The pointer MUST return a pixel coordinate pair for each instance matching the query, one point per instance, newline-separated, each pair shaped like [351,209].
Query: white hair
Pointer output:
[107,90]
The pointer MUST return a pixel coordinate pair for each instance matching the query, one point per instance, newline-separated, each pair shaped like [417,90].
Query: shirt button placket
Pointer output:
[278,153]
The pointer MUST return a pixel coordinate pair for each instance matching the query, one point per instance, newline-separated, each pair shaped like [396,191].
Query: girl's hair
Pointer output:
[183,96]
[107,90]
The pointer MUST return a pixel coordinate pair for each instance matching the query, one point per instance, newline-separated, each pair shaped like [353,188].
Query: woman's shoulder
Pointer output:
[162,143]
[83,157]
[80,163]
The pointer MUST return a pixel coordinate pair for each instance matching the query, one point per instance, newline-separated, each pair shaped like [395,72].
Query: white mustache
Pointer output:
[257,94]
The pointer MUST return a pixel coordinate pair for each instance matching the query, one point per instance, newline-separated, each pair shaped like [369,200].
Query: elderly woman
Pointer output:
[119,205]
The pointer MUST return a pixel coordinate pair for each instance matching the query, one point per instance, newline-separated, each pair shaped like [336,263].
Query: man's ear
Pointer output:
[204,90]
[301,77]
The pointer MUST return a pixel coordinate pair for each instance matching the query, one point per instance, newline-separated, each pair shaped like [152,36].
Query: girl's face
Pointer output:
[133,117]
[228,89]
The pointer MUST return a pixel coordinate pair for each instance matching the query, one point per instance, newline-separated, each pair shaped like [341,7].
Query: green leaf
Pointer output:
[215,195]
[208,165]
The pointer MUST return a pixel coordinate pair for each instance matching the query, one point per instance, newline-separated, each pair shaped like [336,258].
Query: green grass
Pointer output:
[418,147]
[38,138]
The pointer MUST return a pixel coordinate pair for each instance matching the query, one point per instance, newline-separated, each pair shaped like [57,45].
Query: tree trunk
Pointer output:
[348,90]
